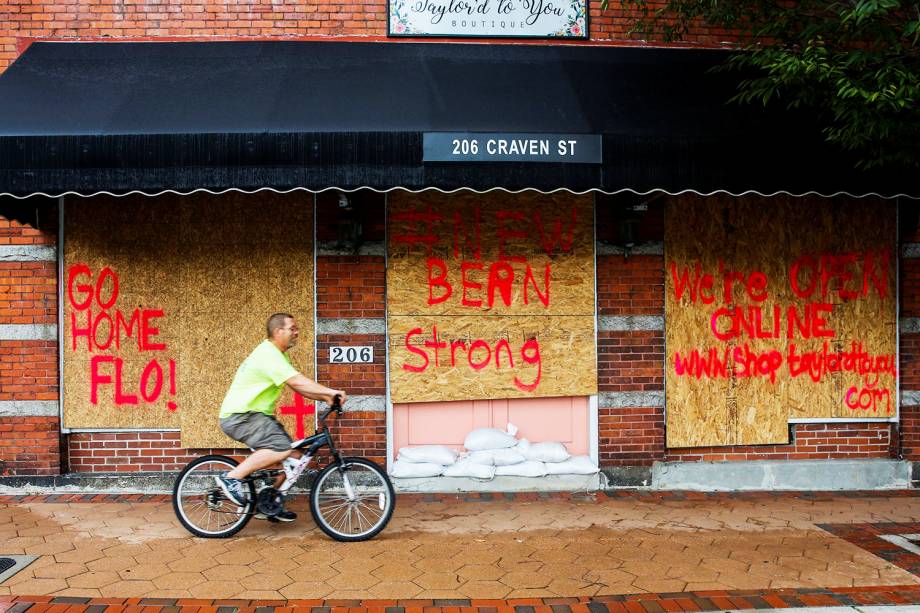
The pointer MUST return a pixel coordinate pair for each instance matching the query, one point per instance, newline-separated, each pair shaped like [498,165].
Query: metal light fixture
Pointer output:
[628,224]
[351,231]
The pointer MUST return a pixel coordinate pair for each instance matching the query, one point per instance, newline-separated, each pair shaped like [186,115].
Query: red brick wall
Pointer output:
[630,361]
[28,291]
[910,432]
[22,21]
[127,452]
[359,433]
[630,436]
[16,233]
[635,437]
[355,379]
[910,287]
[362,433]
[909,371]
[353,286]
[356,433]
[809,442]
[29,368]
[630,286]
[30,446]
[350,286]
[910,361]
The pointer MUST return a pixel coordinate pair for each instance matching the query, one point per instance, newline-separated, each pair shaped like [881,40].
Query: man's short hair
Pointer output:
[275,322]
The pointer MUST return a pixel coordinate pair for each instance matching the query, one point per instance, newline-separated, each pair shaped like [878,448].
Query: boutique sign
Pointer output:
[490,18]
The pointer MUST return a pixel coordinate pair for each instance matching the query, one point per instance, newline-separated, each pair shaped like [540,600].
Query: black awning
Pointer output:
[120,117]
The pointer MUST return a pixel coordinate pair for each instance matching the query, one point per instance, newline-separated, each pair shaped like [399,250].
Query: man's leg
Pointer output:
[270,441]
[261,458]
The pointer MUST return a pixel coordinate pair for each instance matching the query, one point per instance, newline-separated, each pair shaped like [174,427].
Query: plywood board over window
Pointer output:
[777,309]
[490,296]
[164,297]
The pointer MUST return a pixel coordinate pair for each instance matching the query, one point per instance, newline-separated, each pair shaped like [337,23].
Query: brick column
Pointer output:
[351,311]
[909,324]
[29,422]
[630,344]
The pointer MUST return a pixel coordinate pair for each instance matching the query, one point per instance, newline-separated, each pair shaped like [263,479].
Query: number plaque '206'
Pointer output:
[351,355]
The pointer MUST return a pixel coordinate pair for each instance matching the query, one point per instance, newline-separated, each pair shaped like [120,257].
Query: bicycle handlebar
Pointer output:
[335,406]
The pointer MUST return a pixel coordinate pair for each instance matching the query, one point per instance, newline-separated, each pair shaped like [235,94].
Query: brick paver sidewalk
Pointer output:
[499,554]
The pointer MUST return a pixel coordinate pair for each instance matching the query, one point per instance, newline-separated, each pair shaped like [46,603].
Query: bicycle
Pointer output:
[351,499]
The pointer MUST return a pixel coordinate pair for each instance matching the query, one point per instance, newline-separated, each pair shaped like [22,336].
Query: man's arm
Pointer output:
[313,390]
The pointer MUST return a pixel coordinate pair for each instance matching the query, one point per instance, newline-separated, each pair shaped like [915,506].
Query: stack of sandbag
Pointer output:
[488,448]
[422,461]
[499,450]
[491,452]
[521,458]
[556,459]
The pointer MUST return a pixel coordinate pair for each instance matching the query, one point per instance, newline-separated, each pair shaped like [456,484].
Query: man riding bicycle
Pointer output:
[247,414]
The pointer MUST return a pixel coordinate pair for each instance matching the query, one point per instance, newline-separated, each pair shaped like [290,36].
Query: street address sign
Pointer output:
[509,147]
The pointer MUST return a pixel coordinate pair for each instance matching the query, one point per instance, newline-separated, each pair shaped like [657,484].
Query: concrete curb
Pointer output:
[769,475]
[799,475]
[94,483]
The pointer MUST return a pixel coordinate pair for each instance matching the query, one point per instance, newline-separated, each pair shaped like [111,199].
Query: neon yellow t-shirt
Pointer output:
[258,381]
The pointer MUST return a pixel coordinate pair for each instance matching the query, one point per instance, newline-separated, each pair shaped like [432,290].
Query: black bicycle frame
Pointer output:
[321,439]
[312,444]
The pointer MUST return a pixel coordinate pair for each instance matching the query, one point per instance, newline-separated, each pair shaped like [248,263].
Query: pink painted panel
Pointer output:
[563,419]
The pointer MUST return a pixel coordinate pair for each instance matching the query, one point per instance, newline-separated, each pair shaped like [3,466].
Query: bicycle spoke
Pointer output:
[200,504]
[334,502]
[336,509]
[372,511]
[360,516]
[338,515]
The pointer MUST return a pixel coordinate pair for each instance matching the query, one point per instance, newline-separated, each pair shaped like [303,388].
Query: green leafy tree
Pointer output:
[856,62]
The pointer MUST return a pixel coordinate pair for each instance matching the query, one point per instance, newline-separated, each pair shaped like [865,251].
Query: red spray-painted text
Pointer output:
[458,275]
[819,282]
[97,325]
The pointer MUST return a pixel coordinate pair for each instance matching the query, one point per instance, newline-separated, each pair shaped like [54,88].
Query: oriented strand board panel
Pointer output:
[198,276]
[777,309]
[490,296]
[122,296]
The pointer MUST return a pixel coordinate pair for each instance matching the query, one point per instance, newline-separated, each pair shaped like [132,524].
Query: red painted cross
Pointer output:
[299,409]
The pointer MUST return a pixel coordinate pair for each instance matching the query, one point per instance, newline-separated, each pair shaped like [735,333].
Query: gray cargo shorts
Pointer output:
[256,430]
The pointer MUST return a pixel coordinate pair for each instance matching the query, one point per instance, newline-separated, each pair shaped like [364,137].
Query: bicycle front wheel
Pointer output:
[354,501]
[201,506]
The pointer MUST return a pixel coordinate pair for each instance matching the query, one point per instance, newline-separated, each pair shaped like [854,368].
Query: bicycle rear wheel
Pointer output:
[353,502]
[201,506]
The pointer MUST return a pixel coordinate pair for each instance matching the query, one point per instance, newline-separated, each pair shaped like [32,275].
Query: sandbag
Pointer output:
[576,465]
[548,451]
[408,470]
[432,454]
[465,468]
[489,438]
[524,469]
[496,457]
